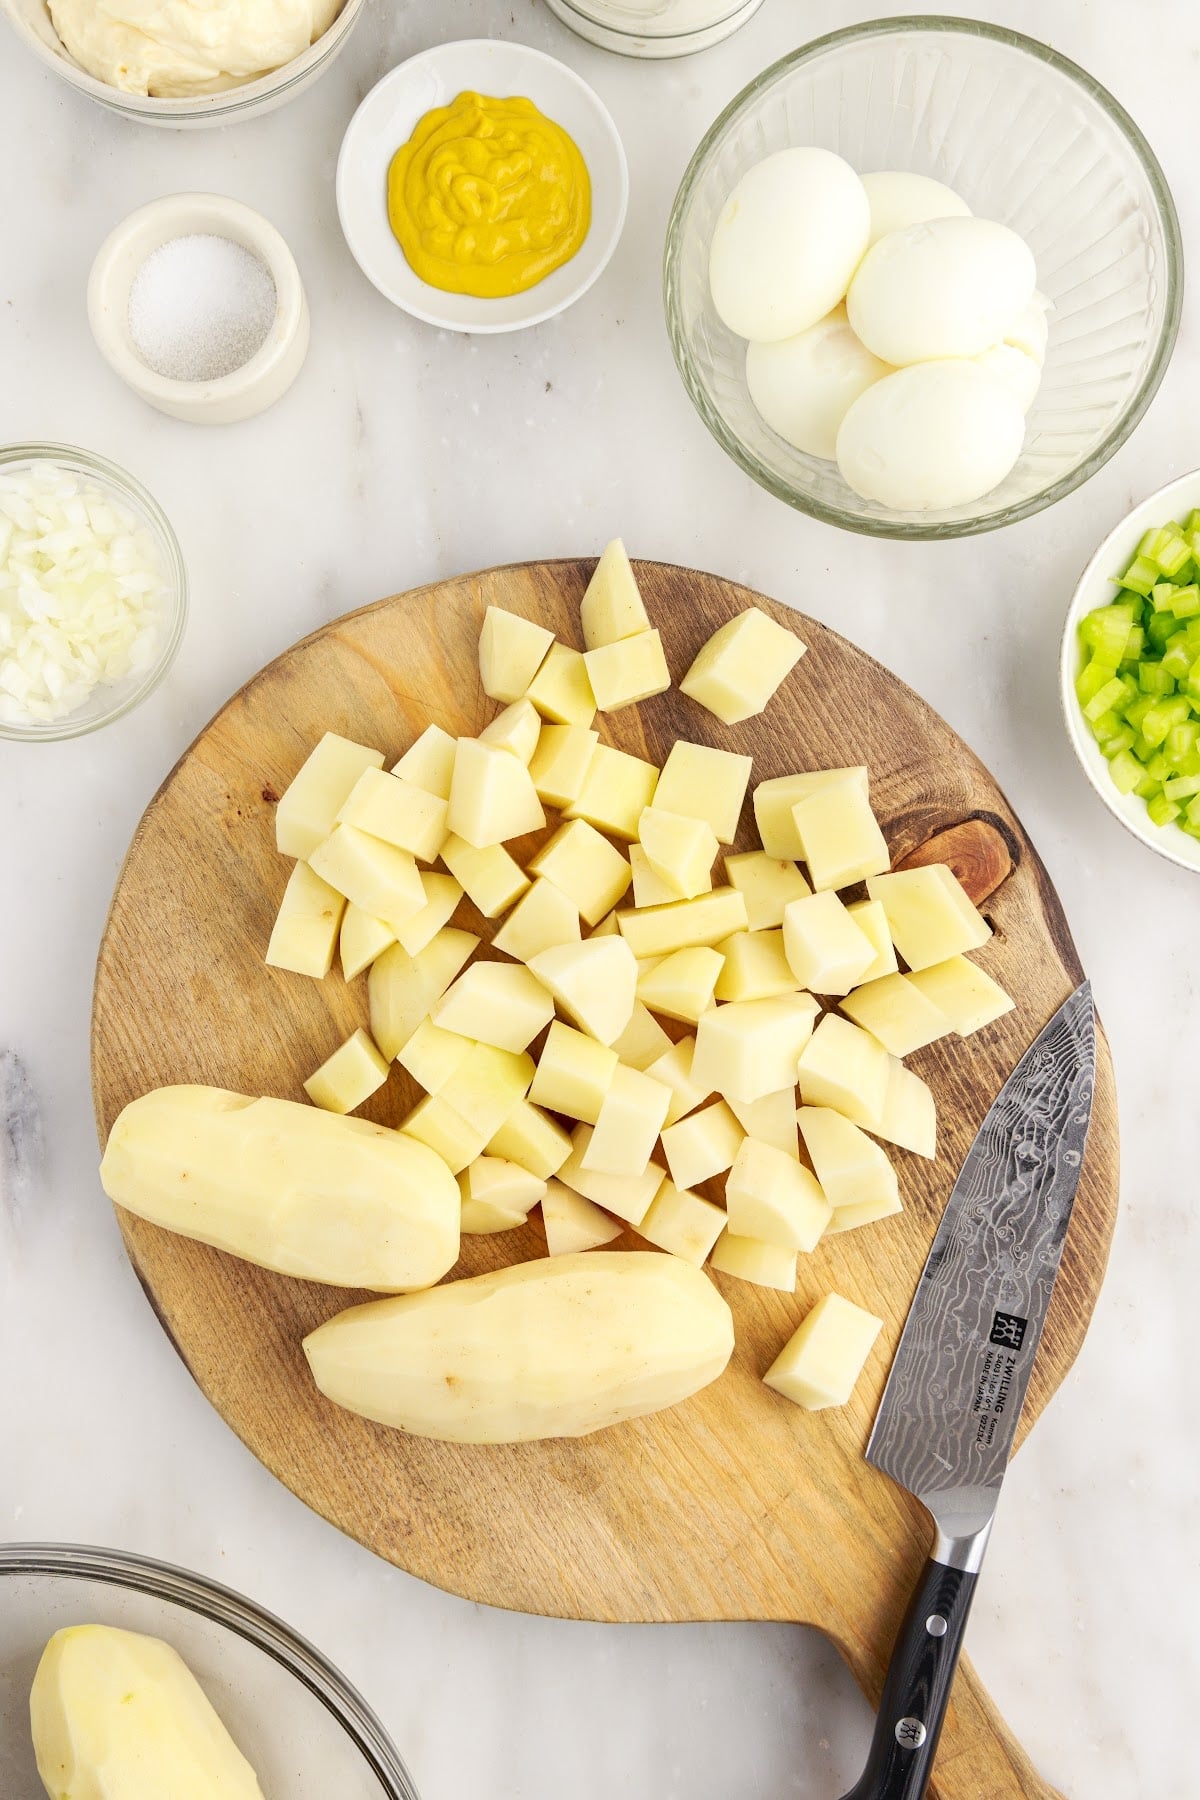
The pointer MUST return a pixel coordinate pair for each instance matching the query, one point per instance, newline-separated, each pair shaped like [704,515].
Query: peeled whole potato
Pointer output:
[119,1716]
[555,1348]
[292,1188]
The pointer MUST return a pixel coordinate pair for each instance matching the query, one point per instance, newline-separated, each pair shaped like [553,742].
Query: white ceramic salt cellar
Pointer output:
[245,390]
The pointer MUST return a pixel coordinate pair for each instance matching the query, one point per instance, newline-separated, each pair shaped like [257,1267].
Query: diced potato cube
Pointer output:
[703,783]
[820,1364]
[496,1195]
[607,927]
[909,1114]
[612,607]
[594,982]
[756,967]
[543,918]
[516,729]
[305,933]
[561,690]
[766,1265]
[431,1055]
[623,673]
[649,888]
[492,796]
[871,920]
[573,1223]
[492,879]
[402,988]
[442,895]
[496,1003]
[964,992]
[682,1223]
[589,870]
[631,1117]
[348,1077]
[626,1196]
[511,651]
[857,1176]
[897,1013]
[768,885]
[706,920]
[388,807]
[574,1073]
[928,914]
[374,875]
[846,1068]
[825,948]
[429,763]
[750,1048]
[433,1121]
[772,1120]
[674,1068]
[840,839]
[681,985]
[702,1145]
[363,937]
[531,1138]
[681,851]
[309,805]
[560,762]
[774,800]
[616,791]
[772,1197]
[486,1085]
[643,1040]
[742,665]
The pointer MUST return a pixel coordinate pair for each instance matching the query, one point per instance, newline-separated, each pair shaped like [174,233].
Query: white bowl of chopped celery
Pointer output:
[1131,671]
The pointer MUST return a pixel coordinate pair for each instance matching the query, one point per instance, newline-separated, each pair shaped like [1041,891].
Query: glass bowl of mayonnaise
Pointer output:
[259,60]
[134,1662]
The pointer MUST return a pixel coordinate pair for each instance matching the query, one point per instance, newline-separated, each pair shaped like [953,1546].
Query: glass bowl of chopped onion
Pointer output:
[93,592]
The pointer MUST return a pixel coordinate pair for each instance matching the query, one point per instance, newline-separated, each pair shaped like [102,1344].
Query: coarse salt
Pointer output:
[200,307]
[82,592]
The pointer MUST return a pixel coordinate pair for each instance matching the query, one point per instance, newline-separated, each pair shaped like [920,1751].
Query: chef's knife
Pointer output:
[950,1409]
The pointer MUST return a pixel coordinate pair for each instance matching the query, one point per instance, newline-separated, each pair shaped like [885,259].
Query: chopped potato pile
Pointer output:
[550,1081]
[663,1034]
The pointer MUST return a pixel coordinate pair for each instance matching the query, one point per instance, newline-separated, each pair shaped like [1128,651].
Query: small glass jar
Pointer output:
[654,28]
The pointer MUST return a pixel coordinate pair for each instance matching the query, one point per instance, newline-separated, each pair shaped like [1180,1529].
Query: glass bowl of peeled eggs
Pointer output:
[923,277]
[122,1674]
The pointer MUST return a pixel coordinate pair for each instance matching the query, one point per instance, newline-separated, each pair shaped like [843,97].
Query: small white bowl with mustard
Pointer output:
[482,186]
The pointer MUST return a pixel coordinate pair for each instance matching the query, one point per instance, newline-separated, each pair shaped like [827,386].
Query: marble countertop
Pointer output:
[402,455]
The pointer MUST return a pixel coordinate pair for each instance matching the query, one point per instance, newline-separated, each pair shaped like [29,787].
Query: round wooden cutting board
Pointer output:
[735,1505]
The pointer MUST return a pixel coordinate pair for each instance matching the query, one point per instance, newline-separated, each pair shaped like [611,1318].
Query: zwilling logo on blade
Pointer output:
[1008,1330]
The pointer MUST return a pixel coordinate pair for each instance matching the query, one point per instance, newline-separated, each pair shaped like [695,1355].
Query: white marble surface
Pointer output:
[402,455]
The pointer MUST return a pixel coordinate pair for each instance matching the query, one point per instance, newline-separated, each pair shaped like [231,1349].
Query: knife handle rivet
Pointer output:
[910,1734]
[936,1626]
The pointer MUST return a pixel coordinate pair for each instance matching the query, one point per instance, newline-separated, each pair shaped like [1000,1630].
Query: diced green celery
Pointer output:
[1177,660]
[1135,713]
[1158,768]
[1135,643]
[1141,576]
[1141,749]
[1193,811]
[1181,742]
[1160,718]
[1192,522]
[1173,554]
[1120,740]
[1162,811]
[1186,601]
[1147,787]
[1095,675]
[1182,787]
[1106,697]
[1161,595]
[1127,773]
[1153,541]
[1160,626]
[1107,726]
[1153,679]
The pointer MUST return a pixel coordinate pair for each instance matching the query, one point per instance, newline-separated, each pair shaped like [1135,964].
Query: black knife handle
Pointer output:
[917,1687]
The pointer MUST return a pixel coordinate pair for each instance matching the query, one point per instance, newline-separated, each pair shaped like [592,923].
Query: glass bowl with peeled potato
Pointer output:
[118,1669]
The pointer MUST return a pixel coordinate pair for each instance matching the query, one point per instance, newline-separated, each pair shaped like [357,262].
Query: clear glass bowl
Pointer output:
[1027,138]
[654,28]
[308,1734]
[112,699]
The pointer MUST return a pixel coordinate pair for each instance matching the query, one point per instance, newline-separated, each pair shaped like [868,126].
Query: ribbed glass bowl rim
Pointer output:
[88,462]
[935,25]
[220,1605]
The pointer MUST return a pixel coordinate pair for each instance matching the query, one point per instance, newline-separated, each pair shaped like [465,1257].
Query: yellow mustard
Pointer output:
[488,197]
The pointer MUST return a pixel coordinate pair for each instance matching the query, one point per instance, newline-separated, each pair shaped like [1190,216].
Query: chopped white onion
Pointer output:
[82,592]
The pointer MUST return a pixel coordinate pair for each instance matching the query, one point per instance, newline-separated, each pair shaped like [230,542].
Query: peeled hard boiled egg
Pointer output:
[1018,372]
[789,238]
[937,435]
[948,287]
[1030,330]
[899,198]
[804,385]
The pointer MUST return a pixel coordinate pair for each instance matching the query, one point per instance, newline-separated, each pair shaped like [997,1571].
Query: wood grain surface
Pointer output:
[735,1505]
